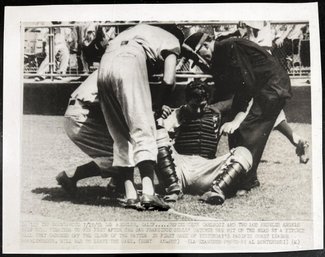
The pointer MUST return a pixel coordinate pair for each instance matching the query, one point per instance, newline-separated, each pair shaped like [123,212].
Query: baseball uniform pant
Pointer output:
[125,97]
[86,127]
[196,174]
[254,132]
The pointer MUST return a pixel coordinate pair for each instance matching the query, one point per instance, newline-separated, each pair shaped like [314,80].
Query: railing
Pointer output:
[295,69]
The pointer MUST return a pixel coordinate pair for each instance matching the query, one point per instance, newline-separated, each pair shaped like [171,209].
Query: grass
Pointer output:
[285,192]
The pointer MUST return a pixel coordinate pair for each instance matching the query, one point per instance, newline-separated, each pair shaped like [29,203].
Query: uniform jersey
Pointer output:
[242,67]
[149,37]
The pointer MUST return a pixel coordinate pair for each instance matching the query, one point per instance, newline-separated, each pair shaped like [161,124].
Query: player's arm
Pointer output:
[169,118]
[168,81]
[170,69]
[230,127]
[222,106]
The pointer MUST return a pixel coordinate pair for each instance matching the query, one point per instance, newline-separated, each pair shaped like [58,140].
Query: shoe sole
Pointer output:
[304,161]
[150,206]
[215,200]
[170,199]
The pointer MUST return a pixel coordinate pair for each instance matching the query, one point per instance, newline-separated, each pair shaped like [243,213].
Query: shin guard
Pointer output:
[166,172]
[237,164]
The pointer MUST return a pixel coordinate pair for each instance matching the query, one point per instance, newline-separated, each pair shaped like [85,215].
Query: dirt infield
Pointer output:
[46,151]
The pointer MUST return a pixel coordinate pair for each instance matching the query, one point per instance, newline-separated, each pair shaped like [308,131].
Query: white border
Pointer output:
[12,101]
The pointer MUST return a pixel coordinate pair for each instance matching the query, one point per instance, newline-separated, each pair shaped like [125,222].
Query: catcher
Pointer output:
[190,164]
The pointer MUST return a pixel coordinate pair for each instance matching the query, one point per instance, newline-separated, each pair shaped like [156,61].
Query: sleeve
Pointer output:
[172,121]
[222,106]
[170,45]
[224,70]
[241,100]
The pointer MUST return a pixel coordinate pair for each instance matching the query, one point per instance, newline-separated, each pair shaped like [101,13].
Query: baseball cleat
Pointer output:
[67,183]
[248,186]
[173,197]
[255,183]
[302,150]
[132,204]
[153,203]
[214,197]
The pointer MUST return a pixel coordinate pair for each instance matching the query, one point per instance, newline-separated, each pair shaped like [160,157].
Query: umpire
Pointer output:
[243,69]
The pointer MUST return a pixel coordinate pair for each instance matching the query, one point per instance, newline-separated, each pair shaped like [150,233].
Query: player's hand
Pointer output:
[229,128]
[165,111]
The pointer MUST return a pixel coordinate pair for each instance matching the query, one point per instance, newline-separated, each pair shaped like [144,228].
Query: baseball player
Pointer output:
[242,68]
[125,98]
[85,125]
[191,160]
[154,42]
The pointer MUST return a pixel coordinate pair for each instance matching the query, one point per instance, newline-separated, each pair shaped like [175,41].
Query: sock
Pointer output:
[116,184]
[87,170]
[130,191]
[126,177]
[146,169]
[147,186]
[125,173]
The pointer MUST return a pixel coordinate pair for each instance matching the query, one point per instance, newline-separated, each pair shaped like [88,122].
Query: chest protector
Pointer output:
[199,136]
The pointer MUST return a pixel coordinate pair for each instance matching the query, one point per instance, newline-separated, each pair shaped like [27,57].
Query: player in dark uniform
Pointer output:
[243,69]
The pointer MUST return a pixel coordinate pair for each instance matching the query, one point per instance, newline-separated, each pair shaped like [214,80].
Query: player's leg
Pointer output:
[200,172]
[86,127]
[108,82]
[43,68]
[141,119]
[166,169]
[64,57]
[130,108]
[253,134]
[228,175]
[301,144]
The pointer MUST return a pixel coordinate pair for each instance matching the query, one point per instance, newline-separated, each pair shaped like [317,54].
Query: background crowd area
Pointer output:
[289,42]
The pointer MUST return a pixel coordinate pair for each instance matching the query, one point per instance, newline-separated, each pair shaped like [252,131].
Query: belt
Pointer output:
[76,101]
